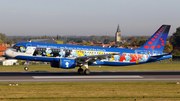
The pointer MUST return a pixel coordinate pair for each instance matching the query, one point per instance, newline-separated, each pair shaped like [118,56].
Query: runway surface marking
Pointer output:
[84,77]
[84,80]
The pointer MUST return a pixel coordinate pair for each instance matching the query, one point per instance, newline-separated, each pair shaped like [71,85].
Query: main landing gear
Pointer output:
[86,71]
[26,68]
[80,70]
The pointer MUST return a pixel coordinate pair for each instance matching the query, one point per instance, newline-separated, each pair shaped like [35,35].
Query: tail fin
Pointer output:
[157,40]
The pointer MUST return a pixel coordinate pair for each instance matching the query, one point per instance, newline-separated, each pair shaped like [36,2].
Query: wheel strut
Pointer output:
[26,68]
[87,71]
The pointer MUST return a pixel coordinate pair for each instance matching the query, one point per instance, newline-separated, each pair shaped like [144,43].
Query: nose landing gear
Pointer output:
[26,68]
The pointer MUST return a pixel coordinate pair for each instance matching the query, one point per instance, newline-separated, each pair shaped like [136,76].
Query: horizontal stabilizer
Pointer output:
[162,55]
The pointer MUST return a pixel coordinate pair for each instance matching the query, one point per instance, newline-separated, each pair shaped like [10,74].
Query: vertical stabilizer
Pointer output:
[157,40]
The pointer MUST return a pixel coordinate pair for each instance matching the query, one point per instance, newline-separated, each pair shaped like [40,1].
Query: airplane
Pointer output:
[70,56]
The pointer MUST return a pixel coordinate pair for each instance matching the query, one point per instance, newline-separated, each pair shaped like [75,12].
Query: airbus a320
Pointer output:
[71,56]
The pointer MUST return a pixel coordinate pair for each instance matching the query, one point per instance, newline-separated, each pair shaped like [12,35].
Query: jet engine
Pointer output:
[64,63]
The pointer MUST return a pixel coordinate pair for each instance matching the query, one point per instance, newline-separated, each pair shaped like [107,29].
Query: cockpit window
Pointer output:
[19,49]
[15,47]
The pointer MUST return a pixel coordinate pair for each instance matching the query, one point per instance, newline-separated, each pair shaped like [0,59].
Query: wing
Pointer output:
[91,59]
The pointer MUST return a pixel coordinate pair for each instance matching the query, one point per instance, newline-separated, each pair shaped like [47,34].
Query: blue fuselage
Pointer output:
[53,52]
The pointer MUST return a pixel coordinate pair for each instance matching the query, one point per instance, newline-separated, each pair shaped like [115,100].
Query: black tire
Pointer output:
[87,72]
[80,71]
[26,68]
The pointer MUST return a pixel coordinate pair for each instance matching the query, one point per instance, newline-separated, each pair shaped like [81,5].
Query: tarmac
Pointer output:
[95,76]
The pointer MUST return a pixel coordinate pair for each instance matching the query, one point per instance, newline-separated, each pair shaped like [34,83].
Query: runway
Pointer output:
[95,76]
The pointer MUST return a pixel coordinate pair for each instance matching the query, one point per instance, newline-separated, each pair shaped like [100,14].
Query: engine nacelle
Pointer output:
[64,63]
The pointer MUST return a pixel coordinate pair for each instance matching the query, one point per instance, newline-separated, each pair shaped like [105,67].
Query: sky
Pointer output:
[87,17]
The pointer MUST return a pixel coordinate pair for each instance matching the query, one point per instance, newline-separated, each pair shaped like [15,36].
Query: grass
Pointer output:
[92,91]
[141,67]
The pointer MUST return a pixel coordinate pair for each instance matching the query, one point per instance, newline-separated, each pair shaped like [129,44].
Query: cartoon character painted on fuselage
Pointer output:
[80,53]
[127,57]
[62,53]
[73,53]
[117,57]
[143,58]
[22,49]
[86,53]
[48,53]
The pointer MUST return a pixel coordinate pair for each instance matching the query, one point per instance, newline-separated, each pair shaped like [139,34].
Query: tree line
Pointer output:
[174,40]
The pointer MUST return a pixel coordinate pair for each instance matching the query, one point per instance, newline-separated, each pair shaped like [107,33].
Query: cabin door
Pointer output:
[30,49]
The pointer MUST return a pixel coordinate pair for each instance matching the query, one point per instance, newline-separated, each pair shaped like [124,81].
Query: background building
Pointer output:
[118,36]
[3,48]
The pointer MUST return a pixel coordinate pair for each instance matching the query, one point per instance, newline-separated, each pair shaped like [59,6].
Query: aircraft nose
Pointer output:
[8,53]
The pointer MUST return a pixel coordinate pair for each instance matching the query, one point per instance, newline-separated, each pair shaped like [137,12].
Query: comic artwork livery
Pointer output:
[71,56]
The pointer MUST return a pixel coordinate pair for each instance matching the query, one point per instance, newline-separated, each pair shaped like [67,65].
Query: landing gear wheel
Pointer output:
[26,68]
[87,71]
[80,71]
